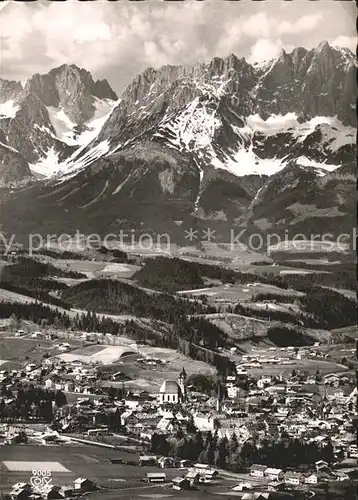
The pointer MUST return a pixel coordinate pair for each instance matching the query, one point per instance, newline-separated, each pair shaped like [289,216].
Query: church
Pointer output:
[174,392]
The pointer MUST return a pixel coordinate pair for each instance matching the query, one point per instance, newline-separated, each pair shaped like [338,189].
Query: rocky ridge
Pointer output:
[213,143]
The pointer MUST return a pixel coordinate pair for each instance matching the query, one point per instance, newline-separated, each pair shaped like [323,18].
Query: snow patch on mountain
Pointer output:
[62,125]
[193,129]
[273,125]
[245,162]
[336,135]
[321,166]
[119,187]
[66,129]
[72,166]
[48,165]
[8,109]
[13,150]
[96,198]
[333,131]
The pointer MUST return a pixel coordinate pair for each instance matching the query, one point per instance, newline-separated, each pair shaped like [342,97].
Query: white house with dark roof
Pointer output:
[257,470]
[293,478]
[274,474]
[311,478]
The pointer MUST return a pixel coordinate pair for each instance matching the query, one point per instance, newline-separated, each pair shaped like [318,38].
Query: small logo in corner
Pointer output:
[41,480]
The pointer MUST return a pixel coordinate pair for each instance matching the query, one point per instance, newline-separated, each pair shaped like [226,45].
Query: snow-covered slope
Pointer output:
[8,109]
[69,132]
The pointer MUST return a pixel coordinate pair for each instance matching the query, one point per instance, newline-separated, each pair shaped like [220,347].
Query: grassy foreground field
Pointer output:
[88,461]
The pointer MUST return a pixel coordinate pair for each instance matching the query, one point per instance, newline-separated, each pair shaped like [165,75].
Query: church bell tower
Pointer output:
[182,384]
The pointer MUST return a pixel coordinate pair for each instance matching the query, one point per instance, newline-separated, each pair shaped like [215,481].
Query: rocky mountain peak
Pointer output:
[324,47]
[10,90]
[231,60]
[71,88]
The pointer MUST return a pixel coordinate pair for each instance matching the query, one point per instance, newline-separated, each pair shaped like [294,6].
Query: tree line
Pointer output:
[29,402]
[173,274]
[227,453]
[321,308]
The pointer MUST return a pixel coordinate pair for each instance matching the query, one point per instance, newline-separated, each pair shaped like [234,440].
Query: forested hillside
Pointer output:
[173,274]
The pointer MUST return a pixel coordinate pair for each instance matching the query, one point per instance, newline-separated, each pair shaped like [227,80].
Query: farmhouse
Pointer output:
[148,461]
[181,483]
[193,477]
[293,478]
[83,484]
[166,462]
[258,470]
[311,479]
[155,477]
[20,490]
[274,474]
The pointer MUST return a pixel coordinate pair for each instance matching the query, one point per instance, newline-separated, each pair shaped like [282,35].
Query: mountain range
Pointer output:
[222,144]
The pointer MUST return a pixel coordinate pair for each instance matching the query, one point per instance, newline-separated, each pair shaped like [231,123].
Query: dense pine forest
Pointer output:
[173,274]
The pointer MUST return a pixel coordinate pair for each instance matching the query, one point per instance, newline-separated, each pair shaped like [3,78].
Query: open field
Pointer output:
[284,272]
[281,307]
[239,327]
[304,246]
[80,460]
[351,294]
[18,352]
[236,259]
[122,358]
[176,361]
[236,293]
[103,354]
[166,492]
[309,365]
[332,365]
[93,268]
[145,376]
[349,331]
[211,251]
[6,295]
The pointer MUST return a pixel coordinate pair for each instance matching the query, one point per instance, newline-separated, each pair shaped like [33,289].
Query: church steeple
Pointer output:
[182,384]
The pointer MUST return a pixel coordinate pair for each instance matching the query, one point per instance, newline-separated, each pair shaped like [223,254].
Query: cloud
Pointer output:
[266,49]
[302,25]
[117,40]
[259,24]
[346,41]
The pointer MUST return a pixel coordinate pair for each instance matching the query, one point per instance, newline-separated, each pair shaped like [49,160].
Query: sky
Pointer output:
[118,40]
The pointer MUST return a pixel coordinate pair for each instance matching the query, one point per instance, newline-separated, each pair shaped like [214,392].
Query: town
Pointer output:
[290,432]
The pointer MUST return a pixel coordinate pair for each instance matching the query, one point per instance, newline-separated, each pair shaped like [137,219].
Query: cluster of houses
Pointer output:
[194,476]
[282,356]
[55,374]
[26,491]
[322,473]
